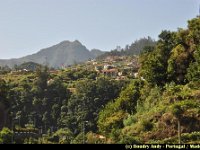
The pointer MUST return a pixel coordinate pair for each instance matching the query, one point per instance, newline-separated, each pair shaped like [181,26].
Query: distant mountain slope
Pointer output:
[64,53]
[134,49]
[97,52]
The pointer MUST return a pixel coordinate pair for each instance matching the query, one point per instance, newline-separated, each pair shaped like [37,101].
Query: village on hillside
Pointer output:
[114,67]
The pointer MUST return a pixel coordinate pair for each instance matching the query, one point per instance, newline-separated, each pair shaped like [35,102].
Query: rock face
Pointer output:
[62,54]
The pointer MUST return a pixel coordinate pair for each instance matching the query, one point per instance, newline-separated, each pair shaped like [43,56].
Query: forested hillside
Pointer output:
[81,104]
[149,110]
[136,48]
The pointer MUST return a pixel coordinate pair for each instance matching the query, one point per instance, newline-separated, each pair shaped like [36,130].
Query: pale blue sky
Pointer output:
[26,26]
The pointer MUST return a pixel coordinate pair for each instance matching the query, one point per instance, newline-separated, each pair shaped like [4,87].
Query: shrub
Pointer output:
[130,120]
[129,140]
[6,136]
[93,138]
[147,125]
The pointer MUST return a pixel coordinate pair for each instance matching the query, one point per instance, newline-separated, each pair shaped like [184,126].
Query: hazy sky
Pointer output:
[26,26]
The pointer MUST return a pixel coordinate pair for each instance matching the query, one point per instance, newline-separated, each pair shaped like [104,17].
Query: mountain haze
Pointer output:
[64,53]
[97,52]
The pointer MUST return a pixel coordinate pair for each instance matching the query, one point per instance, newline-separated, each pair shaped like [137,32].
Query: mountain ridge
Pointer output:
[64,53]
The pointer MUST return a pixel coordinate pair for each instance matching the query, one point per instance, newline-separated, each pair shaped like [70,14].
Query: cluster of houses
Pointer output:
[107,70]
[20,71]
[117,67]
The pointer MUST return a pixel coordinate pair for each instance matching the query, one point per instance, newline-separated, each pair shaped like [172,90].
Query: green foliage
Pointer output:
[4,70]
[194,28]
[112,116]
[130,120]
[6,136]
[37,100]
[186,138]
[30,141]
[87,102]
[79,73]
[175,56]
[65,105]
[62,136]
[177,111]
[128,139]
[93,138]
[79,139]
[29,66]
[3,93]
[134,49]
[113,122]
[155,69]
[147,125]
[128,97]
[194,69]
[138,46]
[178,108]
[178,64]
[42,77]
[150,97]
[194,136]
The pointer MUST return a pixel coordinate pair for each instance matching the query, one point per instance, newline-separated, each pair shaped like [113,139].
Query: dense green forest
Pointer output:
[135,48]
[78,105]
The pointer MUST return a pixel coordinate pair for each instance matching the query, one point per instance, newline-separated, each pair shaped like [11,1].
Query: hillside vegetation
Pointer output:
[148,110]
[80,104]
[135,48]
